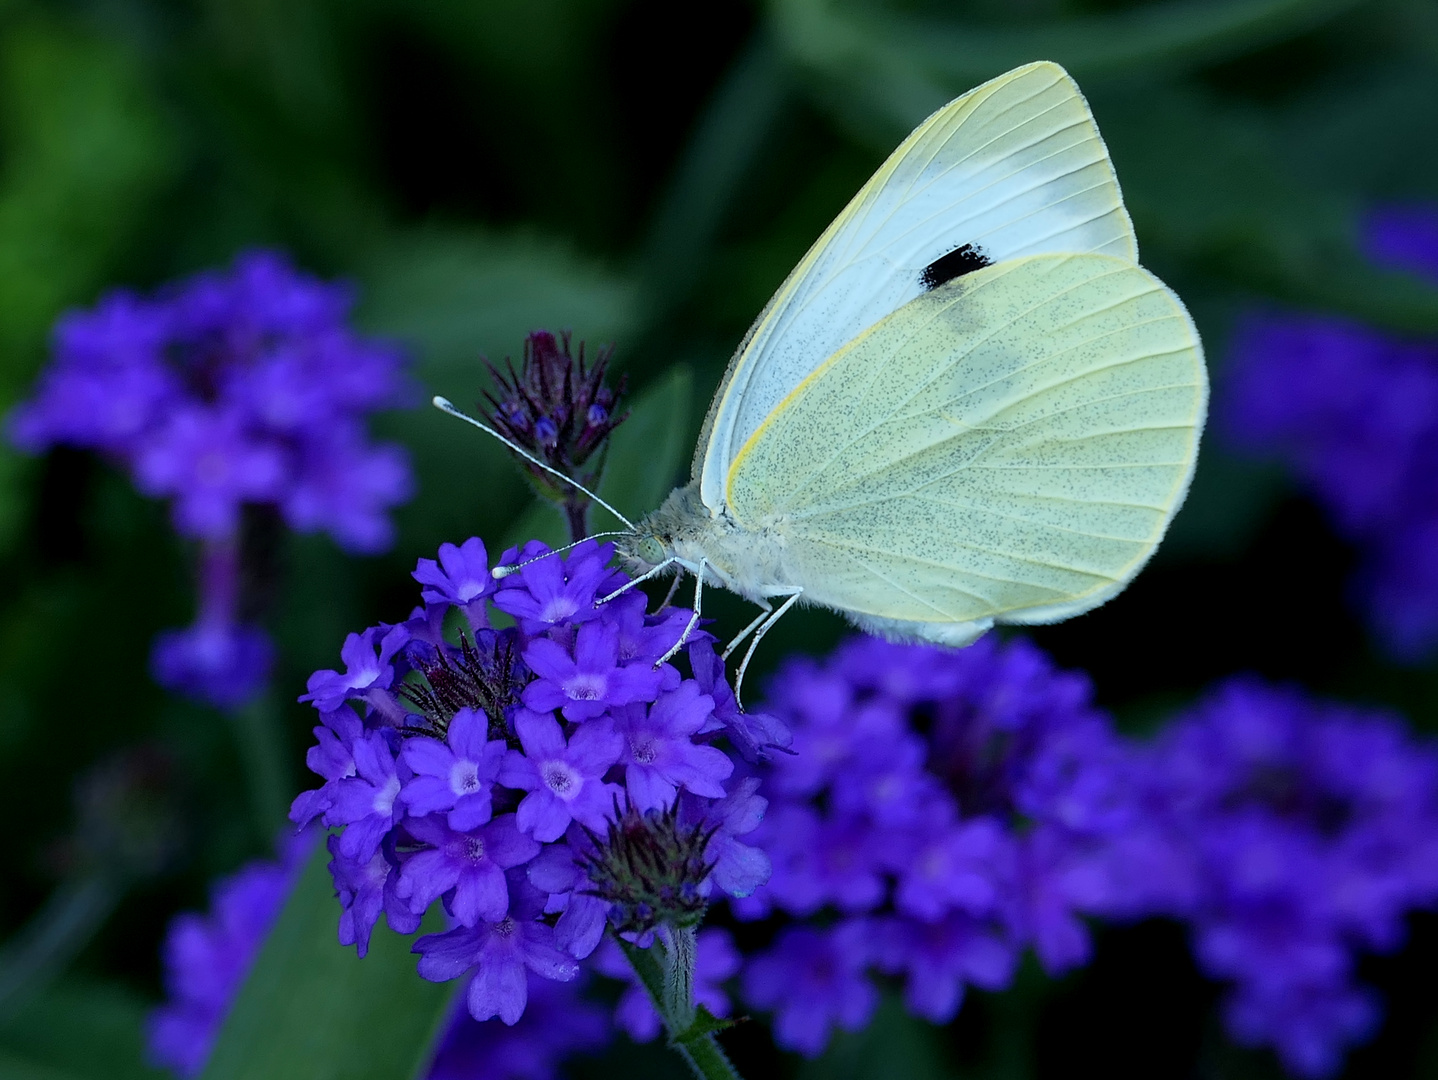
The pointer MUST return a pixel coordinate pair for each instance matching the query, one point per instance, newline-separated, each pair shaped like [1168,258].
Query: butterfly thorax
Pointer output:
[745,561]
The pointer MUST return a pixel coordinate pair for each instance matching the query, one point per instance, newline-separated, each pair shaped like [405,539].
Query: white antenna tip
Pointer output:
[440,402]
[500,572]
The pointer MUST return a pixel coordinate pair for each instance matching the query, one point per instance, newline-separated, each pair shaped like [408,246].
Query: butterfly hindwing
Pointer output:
[1009,446]
[1013,168]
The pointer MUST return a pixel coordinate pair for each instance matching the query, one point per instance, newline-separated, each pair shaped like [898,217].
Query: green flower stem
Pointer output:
[681,953]
[260,735]
[670,984]
[54,936]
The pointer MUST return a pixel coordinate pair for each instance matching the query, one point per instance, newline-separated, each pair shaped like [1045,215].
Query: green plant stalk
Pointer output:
[260,736]
[670,985]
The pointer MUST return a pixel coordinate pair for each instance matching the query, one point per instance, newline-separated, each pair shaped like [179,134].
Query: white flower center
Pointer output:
[561,779]
[385,796]
[557,609]
[585,687]
[464,778]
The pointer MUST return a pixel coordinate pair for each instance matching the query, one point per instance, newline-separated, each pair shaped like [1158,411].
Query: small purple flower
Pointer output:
[220,663]
[584,916]
[754,734]
[660,754]
[454,775]
[558,1023]
[367,803]
[565,781]
[471,863]
[367,888]
[460,577]
[554,590]
[739,868]
[940,957]
[965,867]
[209,463]
[367,658]
[503,951]
[345,486]
[332,758]
[591,681]
[814,980]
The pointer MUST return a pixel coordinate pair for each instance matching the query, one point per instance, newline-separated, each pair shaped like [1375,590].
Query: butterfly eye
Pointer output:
[651,550]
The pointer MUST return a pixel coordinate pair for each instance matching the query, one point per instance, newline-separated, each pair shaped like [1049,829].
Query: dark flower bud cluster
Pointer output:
[225,393]
[536,780]
[651,869]
[557,407]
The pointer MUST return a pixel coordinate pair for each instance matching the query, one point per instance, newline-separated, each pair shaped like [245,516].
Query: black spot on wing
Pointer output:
[957,263]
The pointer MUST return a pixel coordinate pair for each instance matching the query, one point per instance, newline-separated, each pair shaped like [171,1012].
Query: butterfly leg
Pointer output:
[774,617]
[669,596]
[767,608]
[693,619]
[630,584]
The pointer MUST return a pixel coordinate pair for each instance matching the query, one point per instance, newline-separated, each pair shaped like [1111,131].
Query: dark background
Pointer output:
[646,173]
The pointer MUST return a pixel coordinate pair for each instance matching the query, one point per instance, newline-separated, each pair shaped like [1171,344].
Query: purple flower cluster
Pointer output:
[228,388]
[208,956]
[1353,412]
[487,768]
[942,811]
[1289,834]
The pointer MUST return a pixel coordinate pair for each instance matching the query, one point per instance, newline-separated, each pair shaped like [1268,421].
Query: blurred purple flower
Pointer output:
[206,957]
[814,981]
[1311,831]
[989,833]
[1353,413]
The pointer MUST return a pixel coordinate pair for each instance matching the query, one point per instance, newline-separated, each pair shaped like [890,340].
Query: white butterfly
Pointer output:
[967,405]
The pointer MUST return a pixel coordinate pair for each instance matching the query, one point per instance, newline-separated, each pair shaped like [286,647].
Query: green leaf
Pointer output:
[77,1029]
[893,1044]
[86,152]
[913,64]
[646,455]
[311,1010]
[1209,186]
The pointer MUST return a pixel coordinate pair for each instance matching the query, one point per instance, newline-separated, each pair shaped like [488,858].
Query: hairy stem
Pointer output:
[689,1033]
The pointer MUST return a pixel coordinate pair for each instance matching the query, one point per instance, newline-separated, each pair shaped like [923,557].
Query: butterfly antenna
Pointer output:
[443,405]
[504,570]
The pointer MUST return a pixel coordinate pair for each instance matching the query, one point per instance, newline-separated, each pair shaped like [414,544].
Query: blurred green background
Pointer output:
[644,173]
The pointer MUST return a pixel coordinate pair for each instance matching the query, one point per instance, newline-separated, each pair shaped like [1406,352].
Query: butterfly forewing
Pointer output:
[1010,445]
[1013,168]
